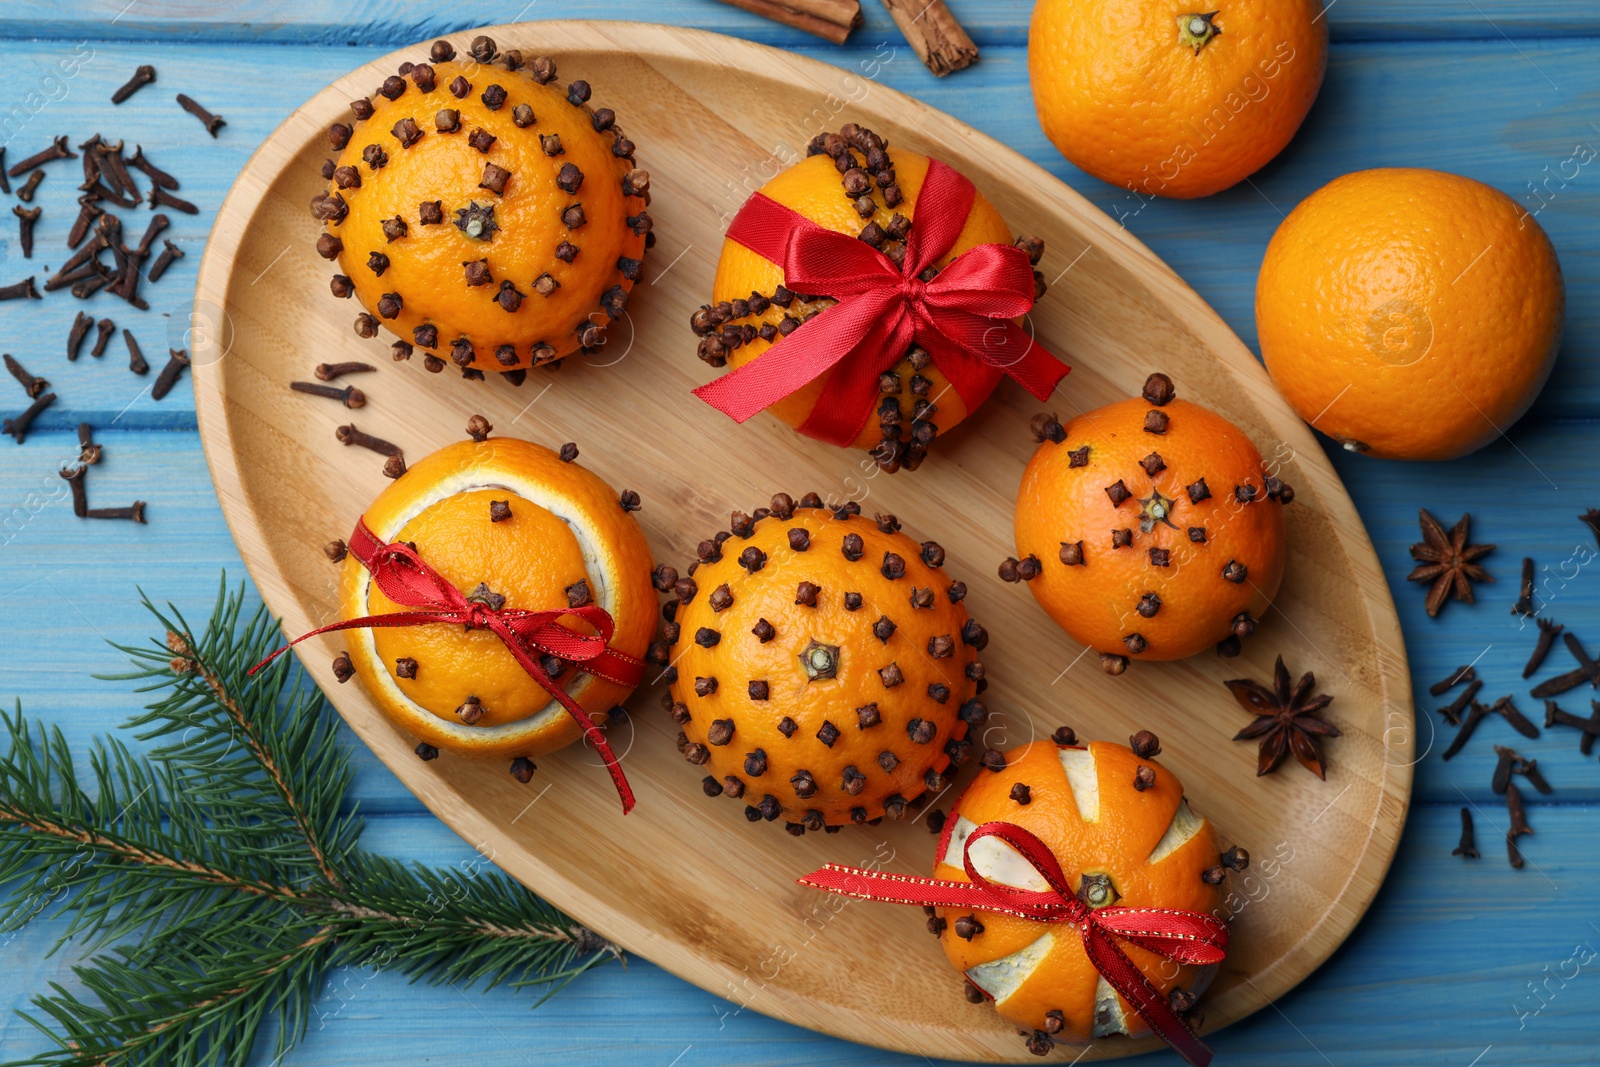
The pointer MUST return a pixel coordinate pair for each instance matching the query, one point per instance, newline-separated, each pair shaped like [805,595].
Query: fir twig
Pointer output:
[218,875]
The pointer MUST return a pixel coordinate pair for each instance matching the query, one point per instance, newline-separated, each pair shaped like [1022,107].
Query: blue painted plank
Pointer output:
[989,22]
[1439,972]
[1215,244]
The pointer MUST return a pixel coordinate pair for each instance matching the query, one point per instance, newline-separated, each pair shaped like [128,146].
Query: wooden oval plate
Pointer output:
[686,881]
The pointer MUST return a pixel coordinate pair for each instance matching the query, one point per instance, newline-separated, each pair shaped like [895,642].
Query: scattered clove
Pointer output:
[1502,769]
[177,359]
[74,476]
[1452,711]
[1548,632]
[327,372]
[212,123]
[106,329]
[18,427]
[27,218]
[1468,848]
[153,172]
[1460,676]
[136,361]
[80,327]
[349,435]
[349,396]
[1590,727]
[33,386]
[1518,721]
[159,197]
[1519,824]
[169,253]
[26,190]
[58,150]
[1468,726]
[23,290]
[134,512]
[143,75]
[88,452]
[1524,604]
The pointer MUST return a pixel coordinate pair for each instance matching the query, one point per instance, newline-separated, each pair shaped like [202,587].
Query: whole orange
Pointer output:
[1409,313]
[1169,100]
[515,525]
[822,666]
[483,212]
[1123,833]
[1150,528]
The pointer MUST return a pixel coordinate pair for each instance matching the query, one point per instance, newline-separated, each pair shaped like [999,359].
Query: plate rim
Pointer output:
[1377,849]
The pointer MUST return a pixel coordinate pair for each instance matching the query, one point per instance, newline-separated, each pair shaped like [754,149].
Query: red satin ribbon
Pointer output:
[962,317]
[1182,936]
[402,575]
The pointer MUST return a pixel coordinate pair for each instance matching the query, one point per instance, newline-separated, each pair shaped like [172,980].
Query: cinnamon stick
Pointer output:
[934,34]
[830,19]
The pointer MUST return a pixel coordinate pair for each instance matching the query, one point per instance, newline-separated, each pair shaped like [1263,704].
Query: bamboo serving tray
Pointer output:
[686,881]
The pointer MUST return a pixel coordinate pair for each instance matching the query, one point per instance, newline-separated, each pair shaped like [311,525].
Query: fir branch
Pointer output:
[218,874]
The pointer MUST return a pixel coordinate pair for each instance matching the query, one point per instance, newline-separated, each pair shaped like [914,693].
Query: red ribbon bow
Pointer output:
[1182,936]
[402,575]
[962,317]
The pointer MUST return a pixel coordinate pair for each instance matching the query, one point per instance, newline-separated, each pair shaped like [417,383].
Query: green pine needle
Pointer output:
[216,876]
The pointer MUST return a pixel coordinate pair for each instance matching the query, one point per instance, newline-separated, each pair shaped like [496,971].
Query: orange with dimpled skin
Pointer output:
[499,518]
[1150,529]
[1118,842]
[1167,99]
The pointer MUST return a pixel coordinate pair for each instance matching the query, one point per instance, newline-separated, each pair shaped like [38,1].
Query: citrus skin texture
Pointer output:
[1105,601]
[797,724]
[1131,94]
[426,266]
[565,526]
[1410,314]
[1152,848]
[812,188]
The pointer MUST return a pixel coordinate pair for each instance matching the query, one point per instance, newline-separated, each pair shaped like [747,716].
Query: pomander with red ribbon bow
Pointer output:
[405,578]
[1186,937]
[964,317]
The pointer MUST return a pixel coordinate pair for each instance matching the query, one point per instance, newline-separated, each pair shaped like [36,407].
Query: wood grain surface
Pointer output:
[1116,312]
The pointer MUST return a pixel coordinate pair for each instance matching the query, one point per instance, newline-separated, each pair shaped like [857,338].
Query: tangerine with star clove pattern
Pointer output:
[1149,529]
[823,667]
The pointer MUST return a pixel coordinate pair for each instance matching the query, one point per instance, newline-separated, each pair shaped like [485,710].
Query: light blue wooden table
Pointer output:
[1455,965]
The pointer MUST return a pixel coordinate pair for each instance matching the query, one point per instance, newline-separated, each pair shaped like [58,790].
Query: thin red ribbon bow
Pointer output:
[963,317]
[1182,936]
[405,578]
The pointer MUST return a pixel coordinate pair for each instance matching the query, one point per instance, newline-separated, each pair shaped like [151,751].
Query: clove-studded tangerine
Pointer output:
[824,669]
[1150,528]
[484,212]
[1119,825]
[510,524]
[851,182]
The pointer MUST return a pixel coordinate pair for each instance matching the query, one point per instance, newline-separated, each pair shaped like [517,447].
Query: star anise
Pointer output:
[1285,720]
[1448,561]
